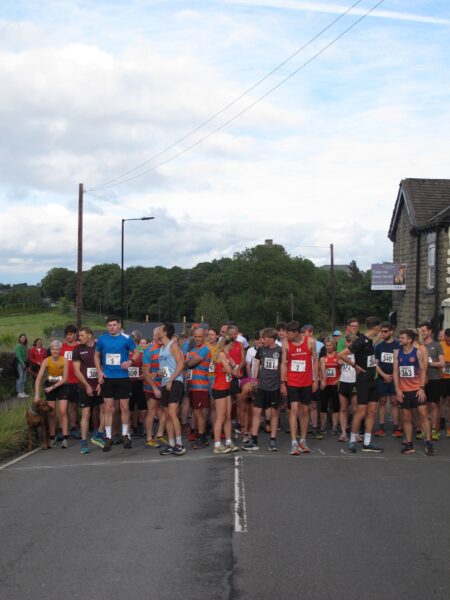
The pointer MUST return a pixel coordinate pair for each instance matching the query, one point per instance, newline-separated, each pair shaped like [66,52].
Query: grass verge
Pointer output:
[13,429]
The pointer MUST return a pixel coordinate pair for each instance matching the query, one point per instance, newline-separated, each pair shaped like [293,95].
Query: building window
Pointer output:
[431,261]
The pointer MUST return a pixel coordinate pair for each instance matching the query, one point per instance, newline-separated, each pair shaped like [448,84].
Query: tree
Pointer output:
[55,282]
[211,309]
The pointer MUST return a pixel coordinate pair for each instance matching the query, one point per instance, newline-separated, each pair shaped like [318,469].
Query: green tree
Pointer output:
[211,309]
[55,282]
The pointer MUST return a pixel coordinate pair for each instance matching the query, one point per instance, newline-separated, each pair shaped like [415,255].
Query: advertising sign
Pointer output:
[389,276]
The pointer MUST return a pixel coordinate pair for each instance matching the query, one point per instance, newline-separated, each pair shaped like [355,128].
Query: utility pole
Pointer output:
[292,307]
[79,300]
[332,289]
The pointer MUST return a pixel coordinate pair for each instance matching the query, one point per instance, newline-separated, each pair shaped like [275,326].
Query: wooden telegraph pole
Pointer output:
[332,289]
[79,301]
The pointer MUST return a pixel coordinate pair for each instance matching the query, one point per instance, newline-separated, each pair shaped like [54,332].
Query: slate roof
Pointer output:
[427,202]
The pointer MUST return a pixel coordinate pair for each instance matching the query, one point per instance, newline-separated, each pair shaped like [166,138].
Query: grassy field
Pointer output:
[39,325]
[13,429]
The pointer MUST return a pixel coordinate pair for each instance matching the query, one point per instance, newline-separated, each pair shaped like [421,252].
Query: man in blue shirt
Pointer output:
[112,360]
[384,356]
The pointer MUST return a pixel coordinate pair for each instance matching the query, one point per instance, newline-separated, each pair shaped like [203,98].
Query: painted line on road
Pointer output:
[321,452]
[19,458]
[240,510]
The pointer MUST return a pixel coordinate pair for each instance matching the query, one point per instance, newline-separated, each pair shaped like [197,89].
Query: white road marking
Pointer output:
[19,458]
[240,510]
[321,452]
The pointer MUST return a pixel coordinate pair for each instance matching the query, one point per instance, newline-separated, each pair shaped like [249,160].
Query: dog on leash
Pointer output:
[37,419]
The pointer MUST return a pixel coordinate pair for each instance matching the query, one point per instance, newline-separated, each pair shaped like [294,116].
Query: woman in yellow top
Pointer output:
[57,369]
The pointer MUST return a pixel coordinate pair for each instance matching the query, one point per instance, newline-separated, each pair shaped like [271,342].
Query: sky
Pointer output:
[93,89]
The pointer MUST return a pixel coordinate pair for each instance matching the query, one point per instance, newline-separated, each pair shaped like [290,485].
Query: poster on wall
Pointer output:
[389,276]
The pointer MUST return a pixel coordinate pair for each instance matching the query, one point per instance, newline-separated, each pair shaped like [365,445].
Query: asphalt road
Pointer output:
[134,525]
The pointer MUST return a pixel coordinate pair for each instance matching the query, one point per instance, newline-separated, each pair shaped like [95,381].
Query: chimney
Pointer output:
[268,242]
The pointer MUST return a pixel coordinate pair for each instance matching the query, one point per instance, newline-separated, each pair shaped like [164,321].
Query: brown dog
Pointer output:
[37,418]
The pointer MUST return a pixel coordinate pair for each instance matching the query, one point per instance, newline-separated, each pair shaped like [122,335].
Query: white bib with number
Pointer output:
[54,379]
[330,372]
[133,372]
[228,378]
[112,360]
[271,364]
[91,373]
[298,366]
[165,373]
[68,354]
[189,375]
[387,357]
[406,370]
[212,368]
[371,361]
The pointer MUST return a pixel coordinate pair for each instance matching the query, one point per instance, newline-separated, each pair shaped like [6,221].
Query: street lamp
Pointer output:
[122,313]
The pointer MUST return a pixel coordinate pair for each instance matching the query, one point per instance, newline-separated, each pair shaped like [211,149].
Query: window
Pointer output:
[431,261]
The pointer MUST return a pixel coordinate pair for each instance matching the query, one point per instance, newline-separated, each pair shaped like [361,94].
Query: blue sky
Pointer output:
[92,89]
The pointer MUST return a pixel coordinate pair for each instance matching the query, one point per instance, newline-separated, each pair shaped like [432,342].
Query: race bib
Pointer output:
[446,370]
[91,373]
[430,360]
[331,372]
[54,379]
[68,354]
[271,364]
[212,368]
[189,375]
[387,357]
[347,367]
[298,366]
[228,378]
[133,372]
[165,373]
[371,361]
[112,360]
[406,371]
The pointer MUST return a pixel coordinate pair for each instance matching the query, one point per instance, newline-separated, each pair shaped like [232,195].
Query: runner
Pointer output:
[299,358]
[152,390]
[347,389]
[384,357]
[351,327]
[68,346]
[138,401]
[224,367]
[410,365]
[112,361]
[268,397]
[55,390]
[197,365]
[212,343]
[436,362]
[237,353]
[330,372]
[171,365]
[445,381]
[366,391]
[314,408]
[89,389]
[281,330]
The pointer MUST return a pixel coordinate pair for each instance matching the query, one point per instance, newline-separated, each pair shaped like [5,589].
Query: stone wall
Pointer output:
[405,248]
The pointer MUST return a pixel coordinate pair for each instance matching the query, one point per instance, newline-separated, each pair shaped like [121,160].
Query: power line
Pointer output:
[243,111]
[222,110]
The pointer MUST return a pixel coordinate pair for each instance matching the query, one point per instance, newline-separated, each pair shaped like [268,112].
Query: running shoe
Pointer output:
[108,445]
[246,438]
[75,433]
[98,441]
[273,446]
[408,448]
[178,450]
[304,448]
[351,448]
[343,438]
[126,441]
[380,432]
[231,447]
[317,435]
[372,448]
[435,435]
[192,436]
[152,444]
[117,440]
[419,435]
[221,449]
[397,433]
[429,449]
[52,443]
[84,449]
[199,444]
[168,451]
[162,440]
[59,437]
[250,445]
[64,443]
[294,451]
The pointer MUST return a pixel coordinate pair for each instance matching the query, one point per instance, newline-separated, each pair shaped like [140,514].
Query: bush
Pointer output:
[7,340]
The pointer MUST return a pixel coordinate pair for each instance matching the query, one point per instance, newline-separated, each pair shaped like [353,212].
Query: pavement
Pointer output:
[261,525]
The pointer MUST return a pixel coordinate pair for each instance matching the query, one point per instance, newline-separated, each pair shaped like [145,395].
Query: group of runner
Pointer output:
[214,383]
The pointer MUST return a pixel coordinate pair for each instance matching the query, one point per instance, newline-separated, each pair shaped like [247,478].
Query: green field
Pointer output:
[39,325]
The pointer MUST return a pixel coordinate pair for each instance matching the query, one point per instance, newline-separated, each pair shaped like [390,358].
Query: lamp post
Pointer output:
[122,313]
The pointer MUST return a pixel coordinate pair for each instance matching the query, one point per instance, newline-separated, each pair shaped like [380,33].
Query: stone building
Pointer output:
[420,233]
